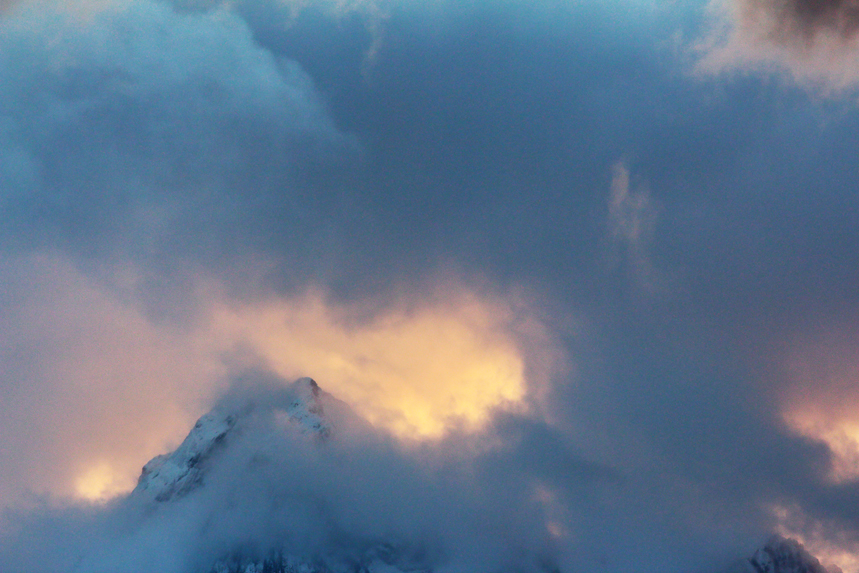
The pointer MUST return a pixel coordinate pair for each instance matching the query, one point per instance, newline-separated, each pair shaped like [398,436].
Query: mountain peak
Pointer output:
[309,382]
[297,407]
[305,409]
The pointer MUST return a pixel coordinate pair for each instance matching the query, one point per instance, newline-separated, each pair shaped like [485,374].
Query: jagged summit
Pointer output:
[176,473]
[306,411]
[299,408]
[255,417]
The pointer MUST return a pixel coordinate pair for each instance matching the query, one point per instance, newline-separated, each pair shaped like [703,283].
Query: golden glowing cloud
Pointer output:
[111,388]
[101,482]
[414,371]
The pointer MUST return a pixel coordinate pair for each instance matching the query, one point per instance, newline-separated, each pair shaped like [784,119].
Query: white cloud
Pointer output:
[135,123]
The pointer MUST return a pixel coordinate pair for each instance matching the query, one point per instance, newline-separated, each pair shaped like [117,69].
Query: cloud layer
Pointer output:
[464,210]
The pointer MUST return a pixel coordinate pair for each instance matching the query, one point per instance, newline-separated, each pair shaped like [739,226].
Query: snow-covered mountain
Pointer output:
[179,472]
[299,412]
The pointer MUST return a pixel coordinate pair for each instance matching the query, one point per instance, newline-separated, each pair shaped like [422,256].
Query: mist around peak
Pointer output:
[272,481]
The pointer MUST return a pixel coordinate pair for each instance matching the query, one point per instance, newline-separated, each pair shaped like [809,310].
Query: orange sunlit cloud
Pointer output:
[413,371]
[101,481]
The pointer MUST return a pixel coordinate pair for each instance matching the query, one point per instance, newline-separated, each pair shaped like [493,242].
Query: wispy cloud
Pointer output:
[631,222]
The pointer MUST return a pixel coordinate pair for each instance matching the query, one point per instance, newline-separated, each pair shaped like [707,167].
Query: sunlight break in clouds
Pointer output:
[101,482]
[414,370]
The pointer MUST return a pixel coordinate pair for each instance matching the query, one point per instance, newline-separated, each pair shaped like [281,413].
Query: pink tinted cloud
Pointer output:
[88,382]
[814,41]
[92,387]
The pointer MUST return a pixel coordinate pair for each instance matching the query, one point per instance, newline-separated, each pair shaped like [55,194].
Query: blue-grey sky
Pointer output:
[616,242]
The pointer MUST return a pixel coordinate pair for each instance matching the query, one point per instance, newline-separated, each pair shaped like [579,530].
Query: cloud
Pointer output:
[105,385]
[113,388]
[181,197]
[537,482]
[417,366]
[284,13]
[815,41]
[837,549]
[819,370]
[142,134]
[631,222]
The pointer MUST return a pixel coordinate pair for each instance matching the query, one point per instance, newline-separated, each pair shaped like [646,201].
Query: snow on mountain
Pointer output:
[296,410]
[305,411]
[179,472]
